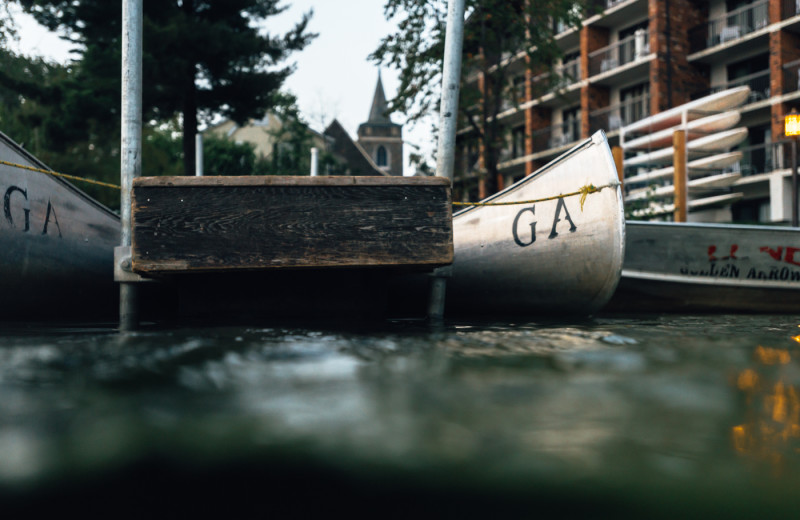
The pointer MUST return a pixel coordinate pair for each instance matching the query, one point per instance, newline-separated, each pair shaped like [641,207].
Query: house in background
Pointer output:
[377,152]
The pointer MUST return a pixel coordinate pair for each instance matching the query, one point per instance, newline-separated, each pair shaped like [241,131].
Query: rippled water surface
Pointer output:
[642,416]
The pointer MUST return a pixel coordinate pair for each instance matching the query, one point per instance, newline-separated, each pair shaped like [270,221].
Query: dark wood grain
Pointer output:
[208,223]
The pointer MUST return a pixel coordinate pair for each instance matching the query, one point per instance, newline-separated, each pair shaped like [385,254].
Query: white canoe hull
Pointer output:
[57,245]
[718,102]
[544,257]
[697,166]
[716,142]
[701,185]
[710,267]
[694,129]
[655,209]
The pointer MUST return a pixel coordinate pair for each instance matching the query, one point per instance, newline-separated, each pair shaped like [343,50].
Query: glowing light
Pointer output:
[747,380]
[791,125]
[772,356]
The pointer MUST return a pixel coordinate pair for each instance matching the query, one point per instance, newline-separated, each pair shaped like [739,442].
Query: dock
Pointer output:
[284,246]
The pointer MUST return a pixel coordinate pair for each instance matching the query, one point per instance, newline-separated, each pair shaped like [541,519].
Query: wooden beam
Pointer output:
[195,224]
[618,155]
[681,198]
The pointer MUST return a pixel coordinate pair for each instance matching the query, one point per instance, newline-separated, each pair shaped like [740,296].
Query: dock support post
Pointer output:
[451,79]
[314,162]
[198,155]
[448,119]
[131,144]
[681,197]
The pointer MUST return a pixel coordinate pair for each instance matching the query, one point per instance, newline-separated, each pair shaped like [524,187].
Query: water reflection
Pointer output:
[771,430]
[629,409]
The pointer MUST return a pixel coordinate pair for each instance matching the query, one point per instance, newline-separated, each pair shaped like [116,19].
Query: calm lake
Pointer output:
[614,416]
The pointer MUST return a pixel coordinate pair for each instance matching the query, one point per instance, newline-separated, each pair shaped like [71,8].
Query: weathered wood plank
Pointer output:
[210,223]
[276,180]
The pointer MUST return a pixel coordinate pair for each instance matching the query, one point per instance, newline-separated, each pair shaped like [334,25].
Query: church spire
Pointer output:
[380,108]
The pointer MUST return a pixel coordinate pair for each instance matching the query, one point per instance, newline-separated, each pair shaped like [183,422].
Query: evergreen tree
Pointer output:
[201,58]
[494,31]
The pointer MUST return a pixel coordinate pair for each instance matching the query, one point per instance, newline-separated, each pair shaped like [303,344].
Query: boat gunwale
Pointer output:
[15,147]
[600,134]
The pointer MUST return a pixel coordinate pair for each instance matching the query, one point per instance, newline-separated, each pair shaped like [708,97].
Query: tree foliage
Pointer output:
[494,31]
[202,58]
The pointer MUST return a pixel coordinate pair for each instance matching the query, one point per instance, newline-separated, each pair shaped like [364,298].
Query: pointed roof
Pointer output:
[380,108]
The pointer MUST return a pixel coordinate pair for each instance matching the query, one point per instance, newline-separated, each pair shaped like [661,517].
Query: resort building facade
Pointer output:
[637,58]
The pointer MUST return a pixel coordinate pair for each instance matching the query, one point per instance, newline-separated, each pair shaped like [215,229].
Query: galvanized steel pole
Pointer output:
[451,78]
[131,145]
[198,155]
[448,119]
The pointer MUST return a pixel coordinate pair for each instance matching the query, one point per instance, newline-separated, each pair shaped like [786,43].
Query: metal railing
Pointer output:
[759,83]
[618,54]
[568,73]
[615,116]
[791,76]
[729,27]
[764,158]
[556,135]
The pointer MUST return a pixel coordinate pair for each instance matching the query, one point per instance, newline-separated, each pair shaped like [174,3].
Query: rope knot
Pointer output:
[585,191]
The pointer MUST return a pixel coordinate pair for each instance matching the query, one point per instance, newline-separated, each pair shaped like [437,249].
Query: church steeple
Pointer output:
[381,139]
[380,108]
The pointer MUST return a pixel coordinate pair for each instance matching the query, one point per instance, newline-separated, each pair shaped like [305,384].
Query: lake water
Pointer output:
[615,416]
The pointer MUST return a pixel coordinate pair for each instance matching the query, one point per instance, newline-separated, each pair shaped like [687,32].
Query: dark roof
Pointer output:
[356,159]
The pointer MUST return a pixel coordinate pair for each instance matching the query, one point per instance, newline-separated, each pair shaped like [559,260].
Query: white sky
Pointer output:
[333,78]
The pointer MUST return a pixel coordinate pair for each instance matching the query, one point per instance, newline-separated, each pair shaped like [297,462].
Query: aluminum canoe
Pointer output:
[694,129]
[56,245]
[716,142]
[717,102]
[547,256]
[688,267]
[695,167]
[700,185]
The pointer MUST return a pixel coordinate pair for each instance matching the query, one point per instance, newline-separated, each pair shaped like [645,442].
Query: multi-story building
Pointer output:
[641,57]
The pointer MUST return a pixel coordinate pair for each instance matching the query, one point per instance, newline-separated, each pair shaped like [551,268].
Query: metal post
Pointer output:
[794,182]
[451,78]
[131,143]
[448,119]
[314,162]
[198,155]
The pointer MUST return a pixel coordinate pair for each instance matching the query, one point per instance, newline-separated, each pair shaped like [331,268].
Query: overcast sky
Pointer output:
[333,78]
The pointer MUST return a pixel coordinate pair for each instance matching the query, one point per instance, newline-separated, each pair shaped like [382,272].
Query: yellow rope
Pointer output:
[583,192]
[56,174]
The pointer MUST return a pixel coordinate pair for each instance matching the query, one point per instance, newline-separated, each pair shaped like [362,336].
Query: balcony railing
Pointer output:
[624,51]
[730,27]
[758,82]
[568,73]
[556,136]
[791,76]
[615,116]
[764,158]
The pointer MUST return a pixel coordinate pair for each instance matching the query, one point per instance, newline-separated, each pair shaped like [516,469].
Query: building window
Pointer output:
[381,157]
[518,142]
[634,103]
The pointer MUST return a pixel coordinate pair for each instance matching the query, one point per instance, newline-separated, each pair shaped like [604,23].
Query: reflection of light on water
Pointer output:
[769,433]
